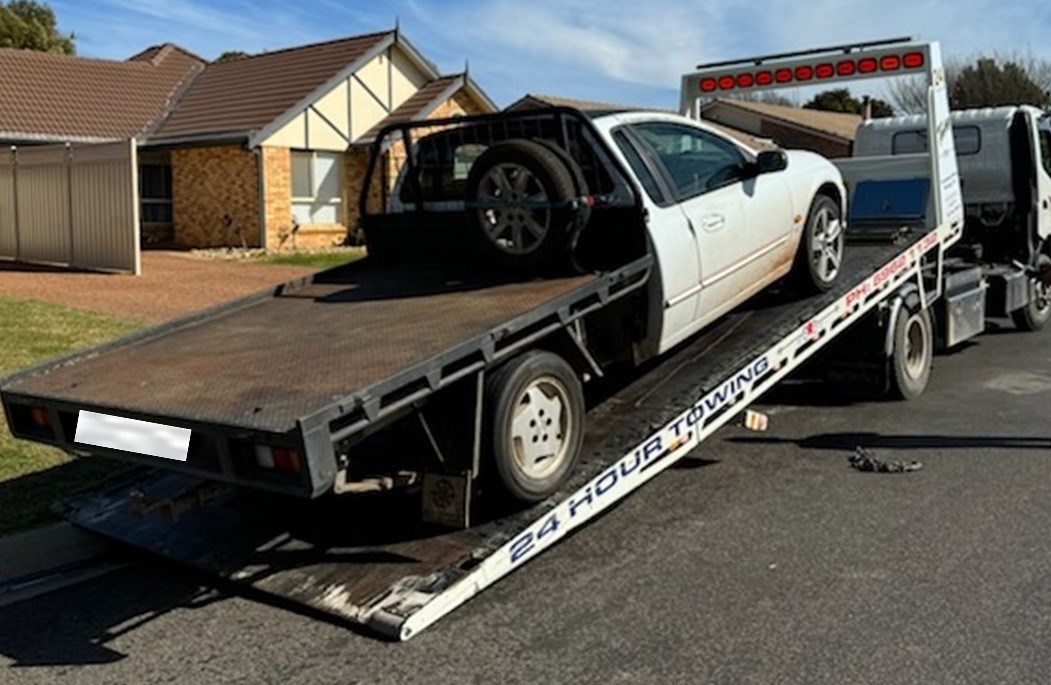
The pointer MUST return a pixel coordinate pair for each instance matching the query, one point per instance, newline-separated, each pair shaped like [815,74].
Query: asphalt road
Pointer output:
[763,558]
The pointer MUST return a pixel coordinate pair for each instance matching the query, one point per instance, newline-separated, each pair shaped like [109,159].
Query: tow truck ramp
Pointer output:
[370,561]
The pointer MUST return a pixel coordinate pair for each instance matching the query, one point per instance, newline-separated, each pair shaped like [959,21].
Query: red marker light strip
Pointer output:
[865,65]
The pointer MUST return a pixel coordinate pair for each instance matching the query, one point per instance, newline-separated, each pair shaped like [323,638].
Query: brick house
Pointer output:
[265,151]
[828,133]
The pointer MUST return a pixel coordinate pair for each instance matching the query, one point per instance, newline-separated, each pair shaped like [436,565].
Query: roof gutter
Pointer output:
[13,138]
[200,140]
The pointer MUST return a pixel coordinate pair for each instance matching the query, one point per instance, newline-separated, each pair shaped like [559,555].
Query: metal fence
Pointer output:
[75,205]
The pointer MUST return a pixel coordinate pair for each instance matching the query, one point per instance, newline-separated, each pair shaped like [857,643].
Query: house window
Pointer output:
[317,187]
[155,200]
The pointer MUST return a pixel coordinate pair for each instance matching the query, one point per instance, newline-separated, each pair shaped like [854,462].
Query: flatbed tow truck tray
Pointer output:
[371,562]
[269,362]
[311,362]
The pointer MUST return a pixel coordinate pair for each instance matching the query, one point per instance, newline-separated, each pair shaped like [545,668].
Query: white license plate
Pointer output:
[131,435]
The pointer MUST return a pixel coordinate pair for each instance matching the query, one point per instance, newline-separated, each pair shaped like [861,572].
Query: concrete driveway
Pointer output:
[171,284]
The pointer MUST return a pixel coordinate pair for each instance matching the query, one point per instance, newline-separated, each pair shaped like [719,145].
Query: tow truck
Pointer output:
[247,425]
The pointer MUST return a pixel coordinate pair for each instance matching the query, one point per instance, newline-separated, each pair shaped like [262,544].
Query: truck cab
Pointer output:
[1004,160]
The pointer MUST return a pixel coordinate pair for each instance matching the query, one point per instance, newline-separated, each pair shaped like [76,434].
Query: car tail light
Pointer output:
[708,85]
[913,60]
[825,71]
[726,83]
[278,458]
[845,68]
[804,73]
[868,65]
[890,63]
[764,78]
[783,75]
[745,80]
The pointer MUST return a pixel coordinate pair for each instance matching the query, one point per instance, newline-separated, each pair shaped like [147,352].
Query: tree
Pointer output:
[231,55]
[840,100]
[30,25]
[989,84]
[910,95]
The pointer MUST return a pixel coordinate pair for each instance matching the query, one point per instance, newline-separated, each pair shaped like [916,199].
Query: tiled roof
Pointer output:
[50,97]
[422,103]
[532,100]
[246,94]
[838,124]
[537,100]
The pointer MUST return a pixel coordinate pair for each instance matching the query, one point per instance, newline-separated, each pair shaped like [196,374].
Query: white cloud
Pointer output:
[616,50]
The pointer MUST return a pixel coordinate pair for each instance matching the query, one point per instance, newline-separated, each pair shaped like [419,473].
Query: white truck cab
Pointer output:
[1004,158]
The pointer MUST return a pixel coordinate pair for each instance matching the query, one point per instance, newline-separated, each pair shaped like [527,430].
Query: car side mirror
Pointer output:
[769,161]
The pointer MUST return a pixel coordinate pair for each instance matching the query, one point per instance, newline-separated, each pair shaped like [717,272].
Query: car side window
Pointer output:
[638,167]
[696,161]
[1045,143]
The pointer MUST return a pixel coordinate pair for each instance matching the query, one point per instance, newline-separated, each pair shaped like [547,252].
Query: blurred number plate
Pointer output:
[130,435]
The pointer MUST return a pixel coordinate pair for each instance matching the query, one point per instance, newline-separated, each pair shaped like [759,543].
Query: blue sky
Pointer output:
[623,51]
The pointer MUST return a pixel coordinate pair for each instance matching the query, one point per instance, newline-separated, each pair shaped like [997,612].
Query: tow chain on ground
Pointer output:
[863,460]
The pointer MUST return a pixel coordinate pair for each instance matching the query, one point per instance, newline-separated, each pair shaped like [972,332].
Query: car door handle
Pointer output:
[713,222]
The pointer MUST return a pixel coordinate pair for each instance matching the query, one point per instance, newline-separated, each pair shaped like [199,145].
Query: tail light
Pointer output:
[278,458]
[40,417]
[890,63]
[913,60]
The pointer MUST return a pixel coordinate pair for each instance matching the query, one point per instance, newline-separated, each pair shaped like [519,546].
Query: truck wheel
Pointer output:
[820,248]
[522,190]
[1037,313]
[910,363]
[536,424]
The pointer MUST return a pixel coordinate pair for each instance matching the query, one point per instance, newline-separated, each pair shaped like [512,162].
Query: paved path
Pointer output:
[171,284]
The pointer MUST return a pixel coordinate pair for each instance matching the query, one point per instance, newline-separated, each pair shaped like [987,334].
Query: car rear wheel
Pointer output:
[820,253]
[521,193]
[536,424]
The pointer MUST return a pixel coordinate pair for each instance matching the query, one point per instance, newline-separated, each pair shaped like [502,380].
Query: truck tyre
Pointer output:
[820,252]
[536,424]
[1037,313]
[521,191]
[910,362]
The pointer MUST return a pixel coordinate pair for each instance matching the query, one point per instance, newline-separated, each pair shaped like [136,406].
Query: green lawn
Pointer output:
[31,475]
[315,260]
